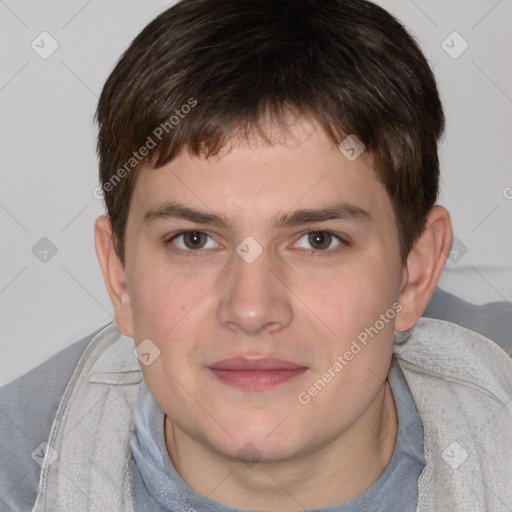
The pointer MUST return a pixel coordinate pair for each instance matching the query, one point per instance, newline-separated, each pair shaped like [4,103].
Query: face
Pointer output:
[266,277]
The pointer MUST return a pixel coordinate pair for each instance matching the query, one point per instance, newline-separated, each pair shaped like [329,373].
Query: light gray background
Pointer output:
[49,169]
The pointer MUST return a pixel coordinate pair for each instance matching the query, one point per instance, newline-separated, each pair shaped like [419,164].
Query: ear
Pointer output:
[423,267]
[113,274]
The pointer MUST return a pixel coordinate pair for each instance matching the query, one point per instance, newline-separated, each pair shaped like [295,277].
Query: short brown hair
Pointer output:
[348,64]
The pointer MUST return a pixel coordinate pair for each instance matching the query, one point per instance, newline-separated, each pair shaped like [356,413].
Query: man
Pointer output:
[271,241]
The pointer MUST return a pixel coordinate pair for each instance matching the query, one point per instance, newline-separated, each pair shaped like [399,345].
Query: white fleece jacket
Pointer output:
[461,383]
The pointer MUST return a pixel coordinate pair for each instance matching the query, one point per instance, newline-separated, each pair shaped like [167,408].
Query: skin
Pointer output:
[293,302]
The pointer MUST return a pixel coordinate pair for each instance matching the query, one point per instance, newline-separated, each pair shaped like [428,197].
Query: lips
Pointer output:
[245,364]
[255,374]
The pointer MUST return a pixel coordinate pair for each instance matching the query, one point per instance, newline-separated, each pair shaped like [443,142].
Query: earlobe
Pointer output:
[113,274]
[423,267]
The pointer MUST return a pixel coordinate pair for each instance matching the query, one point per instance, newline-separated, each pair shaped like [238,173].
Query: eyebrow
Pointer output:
[336,211]
[173,210]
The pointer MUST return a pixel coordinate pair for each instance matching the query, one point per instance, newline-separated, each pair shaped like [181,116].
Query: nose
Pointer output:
[254,298]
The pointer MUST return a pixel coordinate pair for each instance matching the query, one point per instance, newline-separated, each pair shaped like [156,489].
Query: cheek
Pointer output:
[352,298]
[161,298]
[357,307]
[166,309]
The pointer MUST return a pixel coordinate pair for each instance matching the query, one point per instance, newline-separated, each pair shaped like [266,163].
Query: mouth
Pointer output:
[255,374]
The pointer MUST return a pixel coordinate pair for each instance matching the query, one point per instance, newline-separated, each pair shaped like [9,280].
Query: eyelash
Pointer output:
[326,253]
[313,252]
[181,252]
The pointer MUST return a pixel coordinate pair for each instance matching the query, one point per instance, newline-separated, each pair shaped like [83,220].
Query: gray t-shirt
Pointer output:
[156,486]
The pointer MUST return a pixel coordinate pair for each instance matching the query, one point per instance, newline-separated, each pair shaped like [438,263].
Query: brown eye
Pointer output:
[195,239]
[192,243]
[320,240]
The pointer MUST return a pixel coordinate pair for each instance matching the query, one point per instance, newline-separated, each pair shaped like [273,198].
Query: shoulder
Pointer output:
[450,352]
[493,320]
[461,383]
[27,409]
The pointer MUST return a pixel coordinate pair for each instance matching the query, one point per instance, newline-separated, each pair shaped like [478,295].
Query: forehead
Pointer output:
[297,167]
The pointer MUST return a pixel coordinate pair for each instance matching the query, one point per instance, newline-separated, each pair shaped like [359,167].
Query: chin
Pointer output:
[264,443]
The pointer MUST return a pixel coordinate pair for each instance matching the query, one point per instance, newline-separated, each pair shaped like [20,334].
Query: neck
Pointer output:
[338,471]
